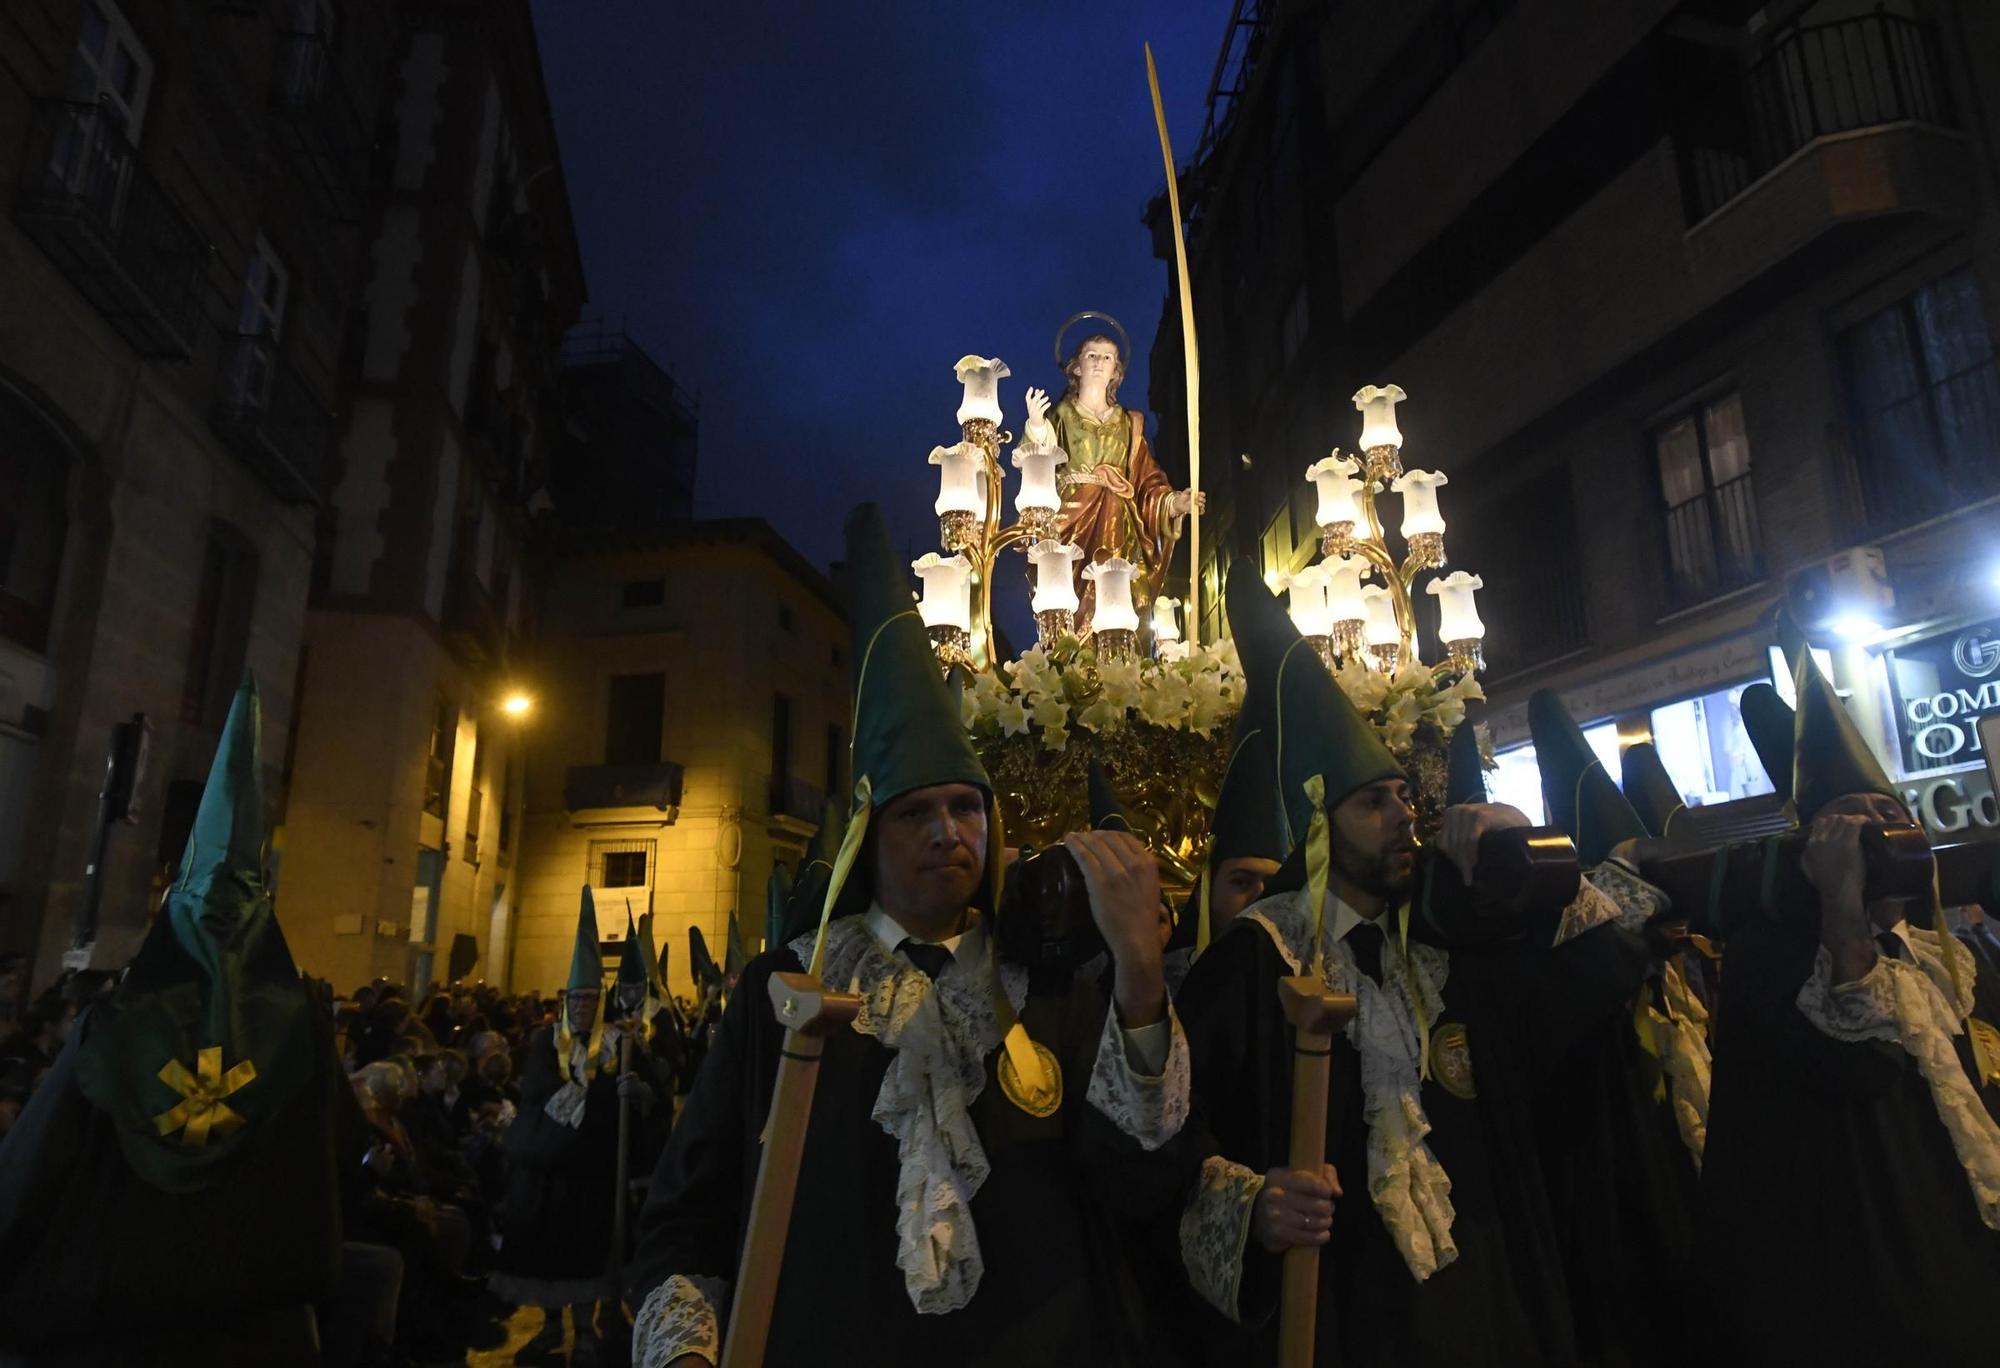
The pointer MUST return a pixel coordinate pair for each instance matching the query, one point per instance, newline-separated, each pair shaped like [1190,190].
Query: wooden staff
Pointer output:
[1315,1015]
[624,1162]
[809,1013]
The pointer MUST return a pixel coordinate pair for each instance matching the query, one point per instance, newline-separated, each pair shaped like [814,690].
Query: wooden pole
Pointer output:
[1315,1014]
[809,1013]
[1190,357]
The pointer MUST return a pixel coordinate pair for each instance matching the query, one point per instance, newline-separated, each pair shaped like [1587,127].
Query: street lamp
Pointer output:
[517,705]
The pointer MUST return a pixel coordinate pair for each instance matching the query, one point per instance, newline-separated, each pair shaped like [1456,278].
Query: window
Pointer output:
[260,313]
[34,521]
[1924,395]
[111,68]
[834,756]
[1703,460]
[621,864]
[1525,546]
[219,629]
[642,593]
[475,804]
[437,764]
[635,718]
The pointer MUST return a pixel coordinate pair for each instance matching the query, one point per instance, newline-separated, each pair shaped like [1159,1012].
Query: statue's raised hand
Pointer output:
[1038,406]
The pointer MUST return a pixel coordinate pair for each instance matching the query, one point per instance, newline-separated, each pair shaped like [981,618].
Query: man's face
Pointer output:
[1237,883]
[930,851]
[495,1067]
[434,1079]
[582,1010]
[1374,840]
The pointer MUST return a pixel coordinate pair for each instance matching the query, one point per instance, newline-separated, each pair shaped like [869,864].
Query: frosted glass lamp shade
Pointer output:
[1037,465]
[1420,501]
[1380,612]
[1458,615]
[1055,583]
[1343,590]
[1337,479]
[961,479]
[1378,416]
[1166,625]
[1308,602]
[947,600]
[981,376]
[1114,611]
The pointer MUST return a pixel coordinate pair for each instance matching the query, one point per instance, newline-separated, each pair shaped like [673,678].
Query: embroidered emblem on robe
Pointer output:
[1451,1059]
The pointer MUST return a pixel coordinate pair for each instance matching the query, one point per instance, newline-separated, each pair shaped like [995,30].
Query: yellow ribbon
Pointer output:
[1201,923]
[1319,862]
[843,863]
[201,1110]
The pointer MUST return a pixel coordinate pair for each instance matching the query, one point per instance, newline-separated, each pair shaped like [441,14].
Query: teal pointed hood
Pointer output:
[586,960]
[1465,775]
[1829,755]
[209,1035]
[1770,723]
[1650,789]
[1583,800]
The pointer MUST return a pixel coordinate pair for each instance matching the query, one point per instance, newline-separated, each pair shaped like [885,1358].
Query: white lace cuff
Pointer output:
[1638,901]
[1215,1227]
[1150,1110]
[1862,1010]
[1592,907]
[682,1316]
[565,1104]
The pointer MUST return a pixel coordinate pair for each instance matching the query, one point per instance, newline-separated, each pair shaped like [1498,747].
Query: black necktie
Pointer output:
[1891,944]
[930,958]
[1365,941]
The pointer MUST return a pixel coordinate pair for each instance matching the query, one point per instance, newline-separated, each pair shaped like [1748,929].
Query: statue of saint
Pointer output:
[1116,499]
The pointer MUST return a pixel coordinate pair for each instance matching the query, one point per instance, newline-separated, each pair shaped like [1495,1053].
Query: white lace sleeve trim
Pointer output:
[1906,1003]
[1637,901]
[1150,1110]
[939,1036]
[683,1315]
[1215,1229]
[1594,906]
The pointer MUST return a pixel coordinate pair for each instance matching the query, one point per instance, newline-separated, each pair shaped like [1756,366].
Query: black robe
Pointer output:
[97,1266]
[1055,1289]
[1622,1190]
[562,1180]
[1837,1223]
[1503,1301]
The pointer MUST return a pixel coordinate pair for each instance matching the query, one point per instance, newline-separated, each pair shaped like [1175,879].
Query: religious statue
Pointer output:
[1116,499]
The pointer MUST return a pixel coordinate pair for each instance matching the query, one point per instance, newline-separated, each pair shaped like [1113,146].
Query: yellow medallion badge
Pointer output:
[1985,1049]
[1451,1060]
[1038,1101]
[201,1112]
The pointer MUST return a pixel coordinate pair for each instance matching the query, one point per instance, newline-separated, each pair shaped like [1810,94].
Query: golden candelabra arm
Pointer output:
[1375,550]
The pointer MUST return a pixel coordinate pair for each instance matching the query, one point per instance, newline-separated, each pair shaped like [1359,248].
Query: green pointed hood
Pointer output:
[1829,756]
[1770,724]
[701,964]
[777,897]
[586,961]
[808,891]
[213,996]
[735,957]
[1583,800]
[1107,810]
[1465,774]
[1650,789]
[1315,729]
[632,978]
[655,974]
[907,730]
[1249,812]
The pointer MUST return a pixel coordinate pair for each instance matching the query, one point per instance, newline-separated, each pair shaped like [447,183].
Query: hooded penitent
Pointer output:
[1323,749]
[586,975]
[807,893]
[1465,776]
[1583,800]
[633,995]
[209,1035]
[1249,821]
[1107,809]
[735,956]
[701,964]
[1829,756]
[1770,722]
[1650,789]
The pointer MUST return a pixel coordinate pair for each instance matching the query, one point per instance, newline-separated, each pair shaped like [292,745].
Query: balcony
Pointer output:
[795,798]
[1712,544]
[269,416]
[110,227]
[1836,124]
[473,629]
[316,123]
[595,788]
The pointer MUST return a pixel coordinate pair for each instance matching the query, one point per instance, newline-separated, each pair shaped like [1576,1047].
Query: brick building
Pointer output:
[1695,301]
[176,265]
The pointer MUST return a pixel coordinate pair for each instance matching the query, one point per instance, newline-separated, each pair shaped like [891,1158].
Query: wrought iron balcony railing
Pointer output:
[795,798]
[318,125]
[1819,79]
[1928,455]
[110,227]
[656,785]
[1712,544]
[270,417]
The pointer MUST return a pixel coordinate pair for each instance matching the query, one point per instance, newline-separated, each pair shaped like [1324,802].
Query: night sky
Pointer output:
[808,213]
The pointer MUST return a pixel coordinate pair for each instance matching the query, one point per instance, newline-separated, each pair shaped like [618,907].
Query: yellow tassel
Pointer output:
[1319,864]
[1201,923]
[850,846]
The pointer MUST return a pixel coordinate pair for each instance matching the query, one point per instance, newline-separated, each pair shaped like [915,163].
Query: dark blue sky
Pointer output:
[809,212]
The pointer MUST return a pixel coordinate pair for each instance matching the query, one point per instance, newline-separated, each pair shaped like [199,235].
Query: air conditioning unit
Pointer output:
[1844,591]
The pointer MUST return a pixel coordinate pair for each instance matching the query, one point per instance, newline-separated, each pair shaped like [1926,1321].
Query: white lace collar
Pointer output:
[1410,1189]
[940,1035]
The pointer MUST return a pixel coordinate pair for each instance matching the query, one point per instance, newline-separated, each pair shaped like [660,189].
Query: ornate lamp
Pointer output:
[1423,525]
[1381,439]
[1055,600]
[1459,627]
[1114,621]
[947,605]
[1038,501]
[961,500]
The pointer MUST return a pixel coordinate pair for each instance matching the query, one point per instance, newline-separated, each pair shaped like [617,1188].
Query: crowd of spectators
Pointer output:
[422,1147]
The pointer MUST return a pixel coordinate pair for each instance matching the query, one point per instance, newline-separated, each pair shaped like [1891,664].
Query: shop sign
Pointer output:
[1954,806]
[1942,687]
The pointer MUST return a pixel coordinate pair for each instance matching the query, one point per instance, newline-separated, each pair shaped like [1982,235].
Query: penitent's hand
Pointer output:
[1123,881]
[1466,823]
[1295,1209]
